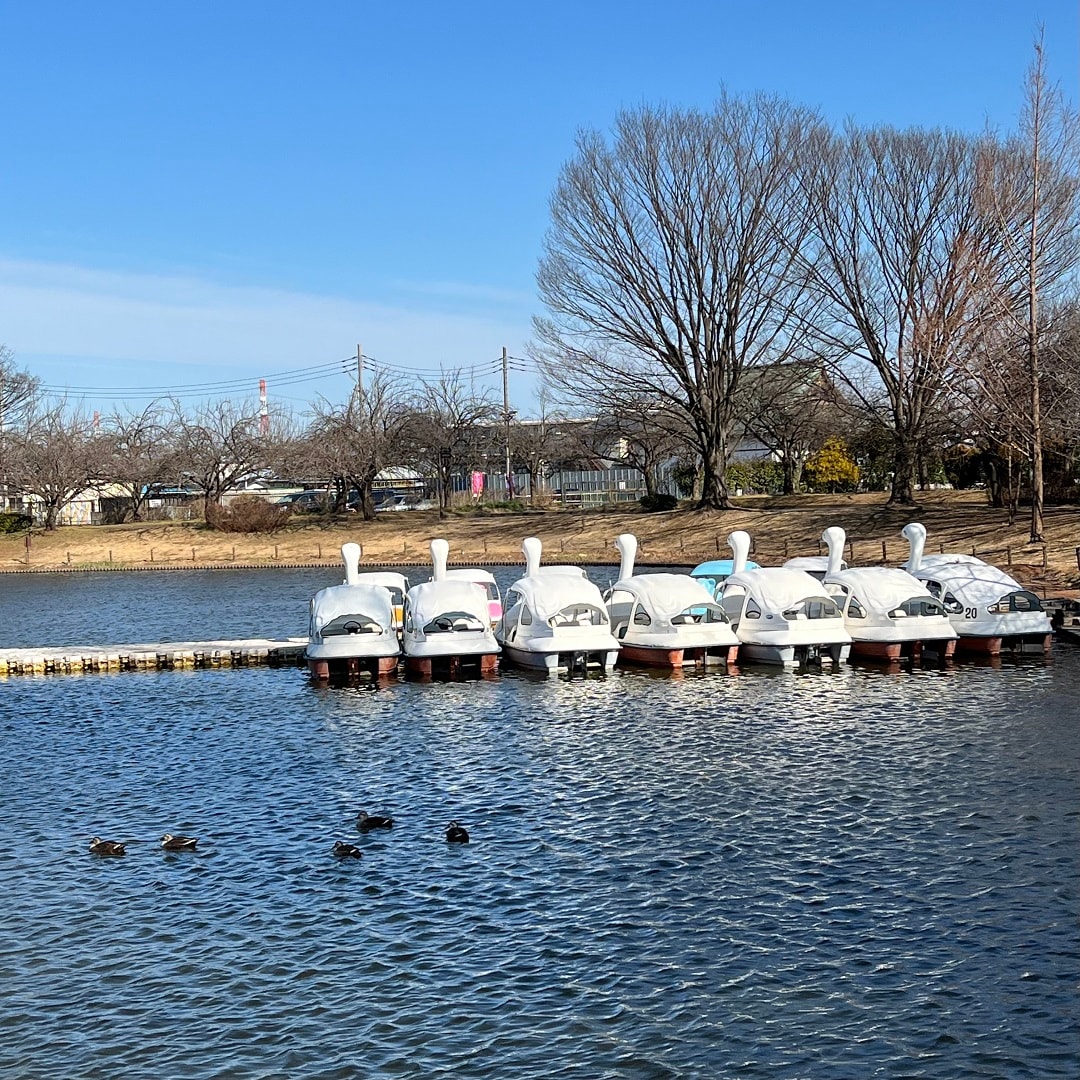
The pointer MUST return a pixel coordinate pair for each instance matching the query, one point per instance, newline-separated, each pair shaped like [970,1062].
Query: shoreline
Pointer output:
[780,528]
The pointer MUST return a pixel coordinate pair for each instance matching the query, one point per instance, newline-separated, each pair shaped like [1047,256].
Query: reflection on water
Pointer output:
[770,874]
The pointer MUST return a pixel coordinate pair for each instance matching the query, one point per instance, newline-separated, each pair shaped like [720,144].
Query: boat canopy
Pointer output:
[473,574]
[368,605]
[814,565]
[434,598]
[549,593]
[881,588]
[970,580]
[388,579]
[777,589]
[665,595]
[716,571]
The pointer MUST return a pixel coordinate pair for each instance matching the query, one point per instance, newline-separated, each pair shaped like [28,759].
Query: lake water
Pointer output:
[769,874]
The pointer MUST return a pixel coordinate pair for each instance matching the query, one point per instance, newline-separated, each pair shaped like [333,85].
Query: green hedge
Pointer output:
[13,523]
[658,503]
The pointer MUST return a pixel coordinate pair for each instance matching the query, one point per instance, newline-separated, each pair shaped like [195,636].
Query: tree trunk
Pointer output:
[789,466]
[993,480]
[903,479]
[714,489]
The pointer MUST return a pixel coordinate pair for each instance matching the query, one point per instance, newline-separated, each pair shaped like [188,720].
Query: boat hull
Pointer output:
[995,645]
[684,656]
[793,655]
[893,651]
[555,660]
[328,667]
[452,664]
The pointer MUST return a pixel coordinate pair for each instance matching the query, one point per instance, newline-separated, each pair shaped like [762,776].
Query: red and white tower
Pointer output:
[264,412]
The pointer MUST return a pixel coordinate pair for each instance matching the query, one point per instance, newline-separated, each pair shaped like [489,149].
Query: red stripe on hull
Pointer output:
[675,658]
[995,646]
[486,663]
[352,665]
[891,651]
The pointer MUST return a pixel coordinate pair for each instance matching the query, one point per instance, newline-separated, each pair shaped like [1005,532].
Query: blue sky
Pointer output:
[210,193]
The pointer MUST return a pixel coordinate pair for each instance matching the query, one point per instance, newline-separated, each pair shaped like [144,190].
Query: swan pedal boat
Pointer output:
[555,619]
[888,613]
[781,616]
[990,611]
[447,625]
[666,620]
[351,627]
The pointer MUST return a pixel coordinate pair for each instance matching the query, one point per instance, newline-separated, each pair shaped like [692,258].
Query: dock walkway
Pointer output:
[165,656]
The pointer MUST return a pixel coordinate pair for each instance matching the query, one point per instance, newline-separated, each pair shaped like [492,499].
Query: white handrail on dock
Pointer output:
[247,652]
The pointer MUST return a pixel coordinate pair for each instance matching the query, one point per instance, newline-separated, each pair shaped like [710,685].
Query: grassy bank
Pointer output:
[780,528]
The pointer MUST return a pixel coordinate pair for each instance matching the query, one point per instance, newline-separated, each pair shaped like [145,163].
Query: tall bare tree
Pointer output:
[904,255]
[1032,189]
[671,264]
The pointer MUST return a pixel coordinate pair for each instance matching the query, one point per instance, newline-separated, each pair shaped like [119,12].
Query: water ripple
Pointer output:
[760,875]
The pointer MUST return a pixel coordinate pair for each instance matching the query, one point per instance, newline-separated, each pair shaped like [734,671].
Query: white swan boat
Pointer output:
[486,580]
[889,614]
[666,620]
[555,619]
[351,627]
[781,616]
[989,610]
[446,627]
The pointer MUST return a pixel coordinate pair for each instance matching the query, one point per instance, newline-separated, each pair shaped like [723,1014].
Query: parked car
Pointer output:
[412,502]
[391,499]
[306,502]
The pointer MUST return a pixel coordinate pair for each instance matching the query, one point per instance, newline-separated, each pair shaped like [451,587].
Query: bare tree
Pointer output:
[1032,188]
[354,442]
[218,447]
[671,265]
[904,259]
[450,428]
[139,454]
[18,390]
[790,409]
[642,435]
[54,456]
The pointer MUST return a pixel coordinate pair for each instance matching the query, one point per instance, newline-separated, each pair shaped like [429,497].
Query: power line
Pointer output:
[290,377]
[293,375]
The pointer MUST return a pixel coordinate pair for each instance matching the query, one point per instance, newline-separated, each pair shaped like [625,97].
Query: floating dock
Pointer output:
[166,656]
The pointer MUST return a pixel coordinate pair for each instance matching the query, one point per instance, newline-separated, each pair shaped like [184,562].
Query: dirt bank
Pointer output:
[780,527]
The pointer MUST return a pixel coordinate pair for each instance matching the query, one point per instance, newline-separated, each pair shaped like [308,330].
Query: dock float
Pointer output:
[166,656]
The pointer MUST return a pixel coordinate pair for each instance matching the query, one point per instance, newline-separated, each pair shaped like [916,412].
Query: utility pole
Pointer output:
[507,415]
[359,376]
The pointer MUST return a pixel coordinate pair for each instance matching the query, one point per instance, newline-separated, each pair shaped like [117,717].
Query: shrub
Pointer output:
[247,514]
[658,503]
[758,476]
[833,468]
[13,523]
